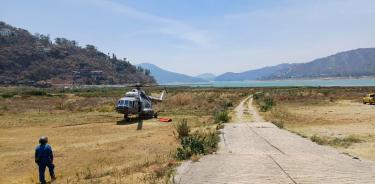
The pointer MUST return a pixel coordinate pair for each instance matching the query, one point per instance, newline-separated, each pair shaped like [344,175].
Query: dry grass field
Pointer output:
[91,143]
[328,116]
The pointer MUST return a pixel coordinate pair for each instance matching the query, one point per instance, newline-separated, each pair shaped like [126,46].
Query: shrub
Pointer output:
[8,94]
[35,93]
[182,129]
[210,140]
[219,126]
[194,143]
[221,116]
[227,104]
[258,95]
[267,104]
[334,141]
[269,101]
[279,124]
[197,144]
[182,153]
[318,140]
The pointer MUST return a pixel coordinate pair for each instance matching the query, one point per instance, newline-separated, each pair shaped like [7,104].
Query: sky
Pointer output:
[200,36]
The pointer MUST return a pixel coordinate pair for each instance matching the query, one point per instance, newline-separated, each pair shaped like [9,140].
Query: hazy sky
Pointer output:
[198,36]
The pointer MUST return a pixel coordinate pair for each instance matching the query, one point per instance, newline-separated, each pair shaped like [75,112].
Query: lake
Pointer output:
[280,83]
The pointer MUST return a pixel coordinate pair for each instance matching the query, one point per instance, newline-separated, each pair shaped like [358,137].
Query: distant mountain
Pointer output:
[34,59]
[166,77]
[353,63]
[252,74]
[206,76]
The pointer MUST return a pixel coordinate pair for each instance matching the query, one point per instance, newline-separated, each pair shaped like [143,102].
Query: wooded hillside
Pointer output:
[35,59]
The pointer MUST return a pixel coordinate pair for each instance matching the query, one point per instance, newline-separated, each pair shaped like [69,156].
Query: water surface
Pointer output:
[280,83]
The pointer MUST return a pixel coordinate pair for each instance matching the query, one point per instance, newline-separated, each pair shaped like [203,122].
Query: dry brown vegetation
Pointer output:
[91,143]
[331,116]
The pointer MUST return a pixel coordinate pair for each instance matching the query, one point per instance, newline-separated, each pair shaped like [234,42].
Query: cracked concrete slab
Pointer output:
[259,152]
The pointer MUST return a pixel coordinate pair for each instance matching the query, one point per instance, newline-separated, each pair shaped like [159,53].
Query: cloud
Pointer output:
[166,26]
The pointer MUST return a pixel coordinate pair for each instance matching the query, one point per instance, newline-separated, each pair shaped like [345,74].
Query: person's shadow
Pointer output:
[131,121]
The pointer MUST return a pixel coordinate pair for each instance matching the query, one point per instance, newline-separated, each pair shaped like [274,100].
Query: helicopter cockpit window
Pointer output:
[121,102]
[126,103]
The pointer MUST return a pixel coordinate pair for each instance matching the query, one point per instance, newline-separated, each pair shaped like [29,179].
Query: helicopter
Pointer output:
[137,102]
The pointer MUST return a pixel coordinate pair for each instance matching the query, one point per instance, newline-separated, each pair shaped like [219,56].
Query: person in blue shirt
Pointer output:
[44,158]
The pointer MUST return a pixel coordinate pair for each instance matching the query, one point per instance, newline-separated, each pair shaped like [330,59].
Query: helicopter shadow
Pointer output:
[132,121]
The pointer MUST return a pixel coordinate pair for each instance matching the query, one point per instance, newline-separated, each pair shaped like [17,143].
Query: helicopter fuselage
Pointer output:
[135,102]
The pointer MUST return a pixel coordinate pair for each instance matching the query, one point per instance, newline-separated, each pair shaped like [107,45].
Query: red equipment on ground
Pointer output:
[165,120]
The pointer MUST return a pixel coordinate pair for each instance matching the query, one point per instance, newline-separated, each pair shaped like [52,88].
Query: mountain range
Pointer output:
[167,77]
[252,74]
[353,63]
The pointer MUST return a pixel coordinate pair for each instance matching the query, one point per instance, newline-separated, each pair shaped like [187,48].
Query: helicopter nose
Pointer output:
[122,109]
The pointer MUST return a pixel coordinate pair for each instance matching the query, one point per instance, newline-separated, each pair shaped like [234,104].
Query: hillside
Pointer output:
[34,59]
[166,77]
[353,63]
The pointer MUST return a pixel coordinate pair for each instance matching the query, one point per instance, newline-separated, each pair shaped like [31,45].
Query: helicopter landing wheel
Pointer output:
[126,118]
[155,115]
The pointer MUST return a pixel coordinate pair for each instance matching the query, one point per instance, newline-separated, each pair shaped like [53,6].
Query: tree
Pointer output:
[147,72]
[91,48]
[59,41]
[73,43]
[43,39]
[140,69]
[114,57]
[65,42]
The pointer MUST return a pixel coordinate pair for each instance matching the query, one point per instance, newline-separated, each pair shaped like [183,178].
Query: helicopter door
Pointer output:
[130,104]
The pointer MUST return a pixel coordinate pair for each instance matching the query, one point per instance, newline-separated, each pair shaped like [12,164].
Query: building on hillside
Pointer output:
[87,75]
[5,32]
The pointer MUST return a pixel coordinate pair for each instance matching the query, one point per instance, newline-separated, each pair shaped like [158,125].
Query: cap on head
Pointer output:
[43,140]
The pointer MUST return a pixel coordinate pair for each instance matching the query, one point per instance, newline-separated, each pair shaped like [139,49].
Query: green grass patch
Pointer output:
[200,142]
[336,142]
[221,116]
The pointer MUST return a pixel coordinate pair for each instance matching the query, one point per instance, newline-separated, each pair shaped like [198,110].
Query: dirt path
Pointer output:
[259,152]
[254,112]
[239,111]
